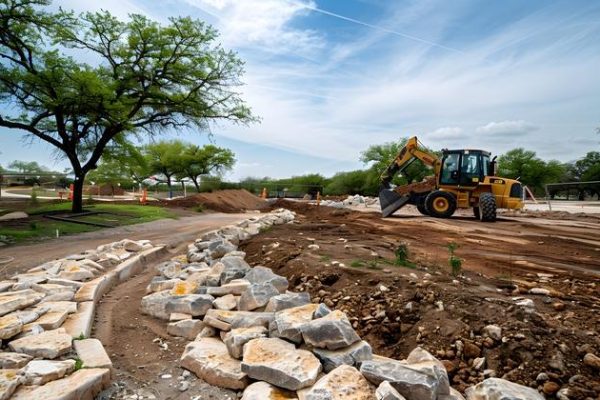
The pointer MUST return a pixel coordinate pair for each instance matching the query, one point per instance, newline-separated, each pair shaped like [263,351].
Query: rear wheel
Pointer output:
[487,207]
[421,205]
[440,204]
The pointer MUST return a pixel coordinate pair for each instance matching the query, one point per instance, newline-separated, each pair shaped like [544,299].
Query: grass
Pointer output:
[325,258]
[357,264]
[38,228]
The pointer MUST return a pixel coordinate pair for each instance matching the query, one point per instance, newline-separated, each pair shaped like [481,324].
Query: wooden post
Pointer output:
[318,199]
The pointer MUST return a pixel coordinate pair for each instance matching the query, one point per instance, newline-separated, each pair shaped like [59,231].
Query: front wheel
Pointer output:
[487,207]
[440,204]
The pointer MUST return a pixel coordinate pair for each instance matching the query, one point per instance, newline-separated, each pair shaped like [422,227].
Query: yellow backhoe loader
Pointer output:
[462,179]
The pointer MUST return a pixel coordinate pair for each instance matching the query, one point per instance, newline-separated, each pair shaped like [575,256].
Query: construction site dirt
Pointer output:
[536,279]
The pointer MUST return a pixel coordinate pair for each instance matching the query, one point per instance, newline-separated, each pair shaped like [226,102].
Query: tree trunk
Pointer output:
[77,206]
[195,180]
[169,186]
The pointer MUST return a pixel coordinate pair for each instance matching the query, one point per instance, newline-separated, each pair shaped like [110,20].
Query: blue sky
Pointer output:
[330,77]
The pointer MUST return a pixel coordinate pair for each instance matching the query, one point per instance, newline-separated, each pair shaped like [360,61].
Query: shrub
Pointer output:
[454,261]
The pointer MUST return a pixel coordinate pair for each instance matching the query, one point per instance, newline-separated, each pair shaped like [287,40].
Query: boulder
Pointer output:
[9,381]
[343,383]
[209,359]
[131,245]
[39,372]
[261,274]
[162,304]
[385,391]
[13,360]
[49,344]
[158,284]
[409,382]
[92,354]
[237,338]
[420,359]
[333,331]
[265,391]
[227,302]
[225,320]
[169,269]
[219,248]
[186,328]
[82,384]
[287,300]
[501,389]
[257,296]
[10,325]
[287,323]
[279,363]
[235,287]
[351,355]
[12,301]
[234,268]
[52,320]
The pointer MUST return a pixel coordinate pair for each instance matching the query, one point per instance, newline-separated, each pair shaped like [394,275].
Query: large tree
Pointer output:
[27,167]
[196,161]
[164,158]
[145,78]
[529,169]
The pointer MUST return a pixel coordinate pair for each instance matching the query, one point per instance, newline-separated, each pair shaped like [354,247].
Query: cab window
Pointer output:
[450,169]
[470,169]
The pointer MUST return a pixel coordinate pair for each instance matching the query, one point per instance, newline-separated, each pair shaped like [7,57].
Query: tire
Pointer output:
[476,212]
[487,207]
[440,204]
[421,206]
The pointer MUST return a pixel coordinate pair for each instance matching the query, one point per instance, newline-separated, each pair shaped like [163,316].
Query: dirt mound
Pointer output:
[229,201]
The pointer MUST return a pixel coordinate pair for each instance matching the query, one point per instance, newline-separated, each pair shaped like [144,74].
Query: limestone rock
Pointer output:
[162,304]
[351,355]
[493,331]
[409,382]
[333,331]
[279,363]
[219,248]
[209,359]
[158,284]
[257,296]
[13,360]
[386,391]
[10,325]
[187,328]
[234,287]
[265,391]
[92,354]
[287,300]
[423,361]
[9,381]
[237,338]
[261,274]
[500,389]
[225,320]
[39,372]
[82,384]
[227,302]
[49,344]
[343,383]
[287,323]
[169,269]
[234,268]
[52,320]
[12,301]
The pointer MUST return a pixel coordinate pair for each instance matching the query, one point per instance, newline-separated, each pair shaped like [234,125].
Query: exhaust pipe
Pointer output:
[391,201]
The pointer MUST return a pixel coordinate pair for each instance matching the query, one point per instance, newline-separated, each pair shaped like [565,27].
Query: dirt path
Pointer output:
[172,232]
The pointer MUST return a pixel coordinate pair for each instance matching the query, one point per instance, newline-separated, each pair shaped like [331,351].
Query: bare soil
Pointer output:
[222,201]
[426,305]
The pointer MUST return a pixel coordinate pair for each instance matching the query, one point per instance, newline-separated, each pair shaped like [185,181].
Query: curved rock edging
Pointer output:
[248,333]
[46,318]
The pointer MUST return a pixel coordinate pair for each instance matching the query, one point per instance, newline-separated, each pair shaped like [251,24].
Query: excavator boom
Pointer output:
[390,200]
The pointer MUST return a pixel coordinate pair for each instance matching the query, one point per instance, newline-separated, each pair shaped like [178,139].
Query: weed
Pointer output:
[80,337]
[402,254]
[454,261]
[78,364]
[199,208]
[373,264]
[264,229]
[325,258]
[34,200]
[357,264]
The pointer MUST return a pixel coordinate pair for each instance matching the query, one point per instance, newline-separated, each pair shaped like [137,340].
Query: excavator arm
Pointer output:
[389,199]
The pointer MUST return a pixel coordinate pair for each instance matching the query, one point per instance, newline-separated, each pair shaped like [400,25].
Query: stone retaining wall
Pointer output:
[46,317]
[249,333]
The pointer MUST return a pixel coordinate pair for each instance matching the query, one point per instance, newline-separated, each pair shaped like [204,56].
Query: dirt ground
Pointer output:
[223,201]
[396,308]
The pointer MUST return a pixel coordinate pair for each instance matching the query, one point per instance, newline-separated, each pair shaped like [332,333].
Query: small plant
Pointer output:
[372,264]
[33,226]
[402,255]
[454,261]
[34,200]
[325,258]
[80,337]
[357,264]
[78,364]
[199,208]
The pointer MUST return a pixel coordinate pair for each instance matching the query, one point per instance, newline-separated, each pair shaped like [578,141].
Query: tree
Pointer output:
[196,161]
[382,155]
[529,169]
[149,78]
[27,167]
[164,158]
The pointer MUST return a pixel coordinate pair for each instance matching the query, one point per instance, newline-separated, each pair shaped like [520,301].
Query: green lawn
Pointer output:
[38,228]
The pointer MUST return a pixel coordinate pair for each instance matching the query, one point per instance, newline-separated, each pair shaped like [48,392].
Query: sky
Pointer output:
[328,78]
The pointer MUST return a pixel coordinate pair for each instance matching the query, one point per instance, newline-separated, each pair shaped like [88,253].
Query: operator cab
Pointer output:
[465,167]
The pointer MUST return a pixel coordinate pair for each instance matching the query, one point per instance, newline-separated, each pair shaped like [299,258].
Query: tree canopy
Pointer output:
[27,167]
[148,78]
[529,169]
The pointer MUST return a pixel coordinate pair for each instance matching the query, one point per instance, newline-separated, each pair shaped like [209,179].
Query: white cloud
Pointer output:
[447,132]
[262,23]
[507,128]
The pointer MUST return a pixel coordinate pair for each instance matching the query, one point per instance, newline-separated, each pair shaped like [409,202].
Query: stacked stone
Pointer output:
[249,333]
[44,310]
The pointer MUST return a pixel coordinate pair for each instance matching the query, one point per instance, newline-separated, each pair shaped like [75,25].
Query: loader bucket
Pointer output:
[391,201]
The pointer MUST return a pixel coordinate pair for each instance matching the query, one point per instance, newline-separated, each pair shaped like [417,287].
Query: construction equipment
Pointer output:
[462,179]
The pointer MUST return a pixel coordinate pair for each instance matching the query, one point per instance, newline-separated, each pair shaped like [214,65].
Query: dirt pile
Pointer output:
[530,322]
[229,201]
